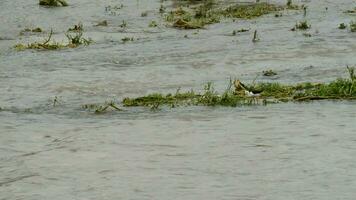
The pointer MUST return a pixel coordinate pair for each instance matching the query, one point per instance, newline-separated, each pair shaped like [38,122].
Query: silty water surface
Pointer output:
[281,151]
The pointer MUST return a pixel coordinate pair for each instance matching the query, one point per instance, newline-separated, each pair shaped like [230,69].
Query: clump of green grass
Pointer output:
[53,3]
[77,39]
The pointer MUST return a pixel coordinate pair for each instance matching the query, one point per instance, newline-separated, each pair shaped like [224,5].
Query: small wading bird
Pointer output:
[241,89]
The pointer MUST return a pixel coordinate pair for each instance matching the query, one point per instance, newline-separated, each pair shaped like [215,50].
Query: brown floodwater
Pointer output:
[279,151]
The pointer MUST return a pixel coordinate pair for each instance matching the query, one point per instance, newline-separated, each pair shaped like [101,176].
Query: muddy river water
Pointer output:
[275,152]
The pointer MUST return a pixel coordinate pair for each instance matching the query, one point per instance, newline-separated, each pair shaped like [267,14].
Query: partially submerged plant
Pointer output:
[115,7]
[302,25]
[29,30]
[342,26]
[206,12]
[102,23]
[144,14]
[53,3]
[234,32]
[123,24]
[353,26]
[255,37]
[77,39]
[269,73]
[127,39]
[278,15]
[307,34]
[289,2]
[291,6]
[76,28]
[162,9]
[153,24]
[188,19]
[102,108]
[45,45]
[351,11]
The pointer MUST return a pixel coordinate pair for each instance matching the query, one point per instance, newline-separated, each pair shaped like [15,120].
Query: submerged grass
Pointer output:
[102,108]
[202,13]
[74,40]
[254,94]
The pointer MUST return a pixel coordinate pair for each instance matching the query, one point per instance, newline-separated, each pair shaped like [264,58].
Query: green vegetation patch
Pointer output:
[199,14]
[353,26]
[239,94]
[191,18]
[249,11]
[302,25]
[74,40]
